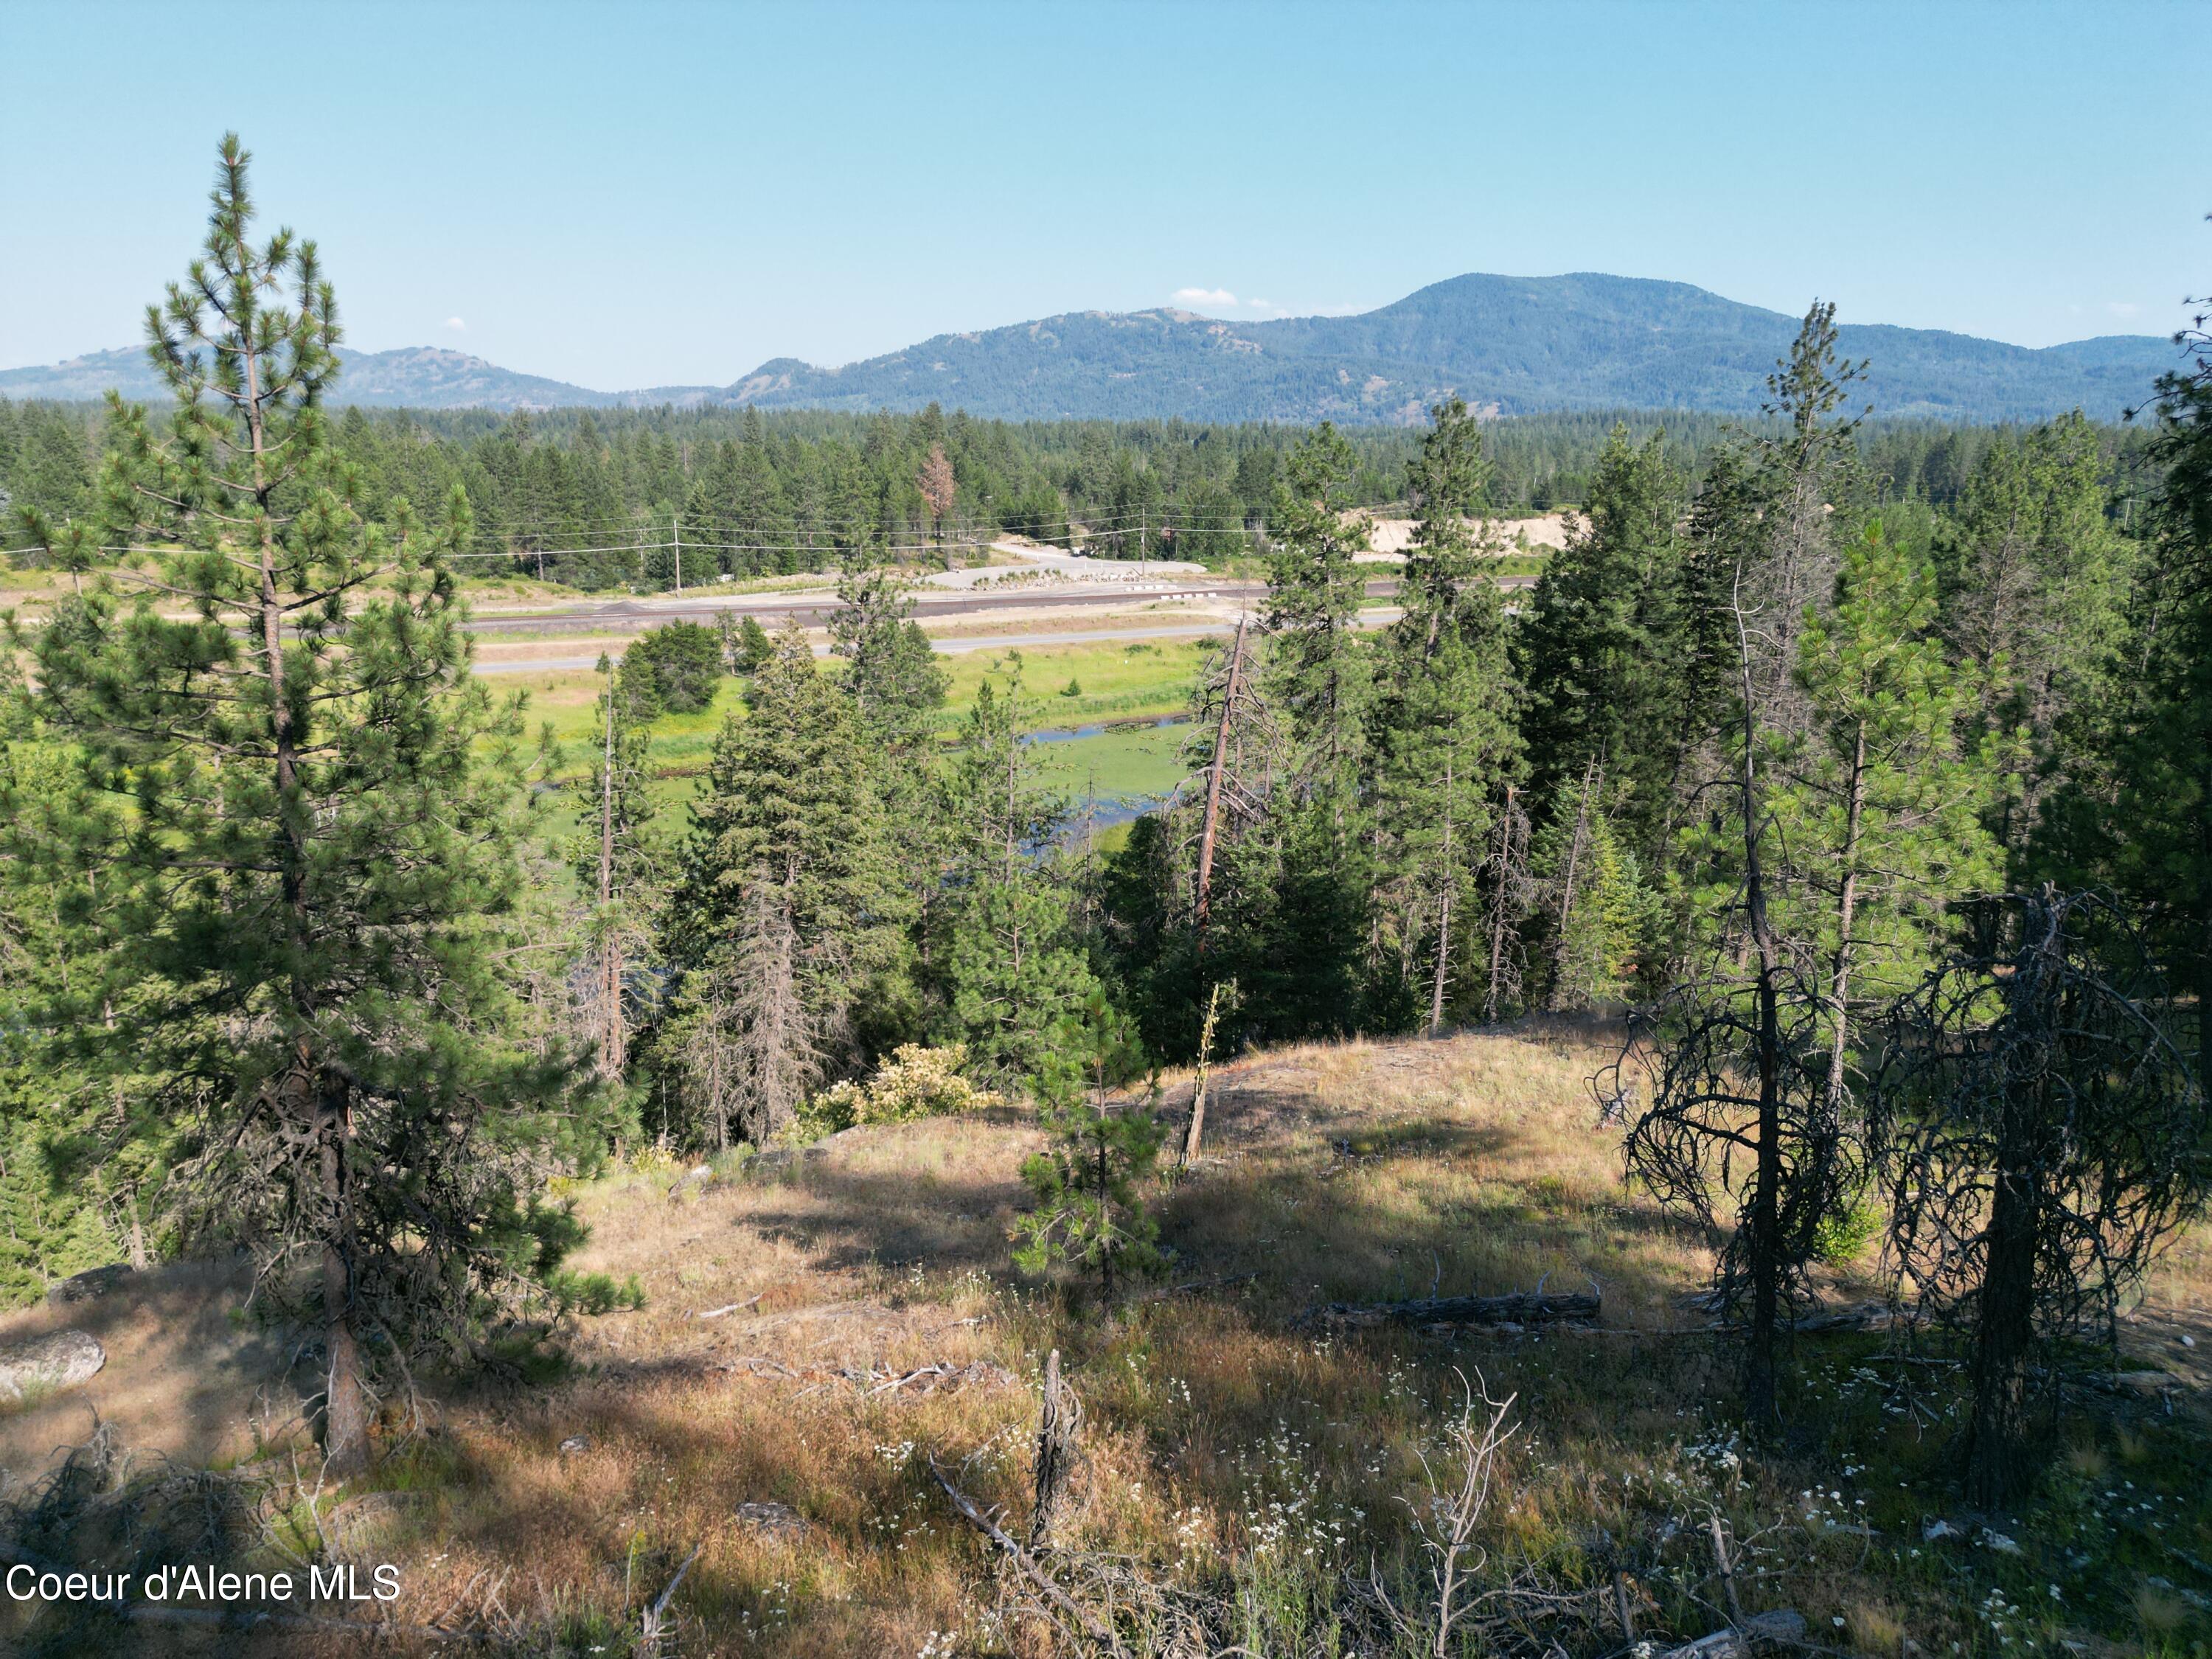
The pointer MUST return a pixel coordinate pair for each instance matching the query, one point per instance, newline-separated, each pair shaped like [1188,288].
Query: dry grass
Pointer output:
[187,1375]
[1229,1449]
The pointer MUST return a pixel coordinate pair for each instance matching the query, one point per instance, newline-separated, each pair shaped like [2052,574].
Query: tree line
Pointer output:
[1886,817]
[601,499]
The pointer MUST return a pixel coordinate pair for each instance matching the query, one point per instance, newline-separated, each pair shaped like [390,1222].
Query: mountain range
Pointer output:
[1509,345]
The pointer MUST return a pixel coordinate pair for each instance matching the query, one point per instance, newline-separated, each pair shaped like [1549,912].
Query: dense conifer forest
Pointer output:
[600,498]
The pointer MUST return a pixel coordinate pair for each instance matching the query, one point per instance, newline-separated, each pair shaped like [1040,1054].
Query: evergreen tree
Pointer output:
[1877,805]
[1442,741]
[1010,964]
[1088,1211]
[309,819]
[2156,838]
[1604,646]
[1600,912]
[2034,584]
[786,915]
[1317,672]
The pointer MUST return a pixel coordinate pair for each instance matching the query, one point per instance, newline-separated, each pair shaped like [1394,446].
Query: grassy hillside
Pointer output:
[813,1334]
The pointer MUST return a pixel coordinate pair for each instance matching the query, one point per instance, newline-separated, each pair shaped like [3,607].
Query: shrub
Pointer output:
[914,1082]
[596,1293]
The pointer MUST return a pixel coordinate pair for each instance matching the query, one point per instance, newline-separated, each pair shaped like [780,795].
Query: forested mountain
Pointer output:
[1507,344]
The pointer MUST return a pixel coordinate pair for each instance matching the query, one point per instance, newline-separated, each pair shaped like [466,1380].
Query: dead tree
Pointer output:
[1214,998]
[1738,1126]
[1512,893]
[1209,827]
[1060,1421]
[2040,1135]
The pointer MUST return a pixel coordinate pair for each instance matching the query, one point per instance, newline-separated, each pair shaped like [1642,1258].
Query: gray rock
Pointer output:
[575,1443]
[57,1360]
[87,1286]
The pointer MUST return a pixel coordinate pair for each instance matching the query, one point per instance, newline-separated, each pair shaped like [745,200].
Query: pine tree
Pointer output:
[1317,672]
[1010,964]
[891,669]
[2156,839]
[309,816]
[1603,648]
[786,915]
[1878,805]
[1441,743]
[1088,1211]
[1600,911]
[2034,583]
[1745,1011]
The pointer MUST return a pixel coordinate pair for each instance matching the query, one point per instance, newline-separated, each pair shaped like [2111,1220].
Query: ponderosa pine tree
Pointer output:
[305,813]
[1317,675]
[1878,803]
[1088,1212]
[891,669]
[1737,1122]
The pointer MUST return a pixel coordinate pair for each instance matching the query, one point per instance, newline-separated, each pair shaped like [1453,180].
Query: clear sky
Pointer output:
[633,194]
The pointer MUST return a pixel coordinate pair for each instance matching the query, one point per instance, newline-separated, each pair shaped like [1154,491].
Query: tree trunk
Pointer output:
[1444,920]
[1839,979]
[345,1409]
[1996,1436]
[1766,1220]
[1498,906]
[1057,1421]
[612,1055]
[1198,1082]
[1567,899]
[1211,828]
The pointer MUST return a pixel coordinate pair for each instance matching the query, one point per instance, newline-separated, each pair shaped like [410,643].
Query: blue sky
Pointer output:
[636,194]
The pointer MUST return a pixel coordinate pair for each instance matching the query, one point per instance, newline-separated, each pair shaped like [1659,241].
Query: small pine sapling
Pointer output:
[1089,1213]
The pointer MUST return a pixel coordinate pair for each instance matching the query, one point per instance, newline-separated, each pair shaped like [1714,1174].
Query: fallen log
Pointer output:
[1742,1641]
[1518,1308]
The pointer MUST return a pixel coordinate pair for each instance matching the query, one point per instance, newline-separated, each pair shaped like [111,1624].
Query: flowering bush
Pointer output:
[914,1082]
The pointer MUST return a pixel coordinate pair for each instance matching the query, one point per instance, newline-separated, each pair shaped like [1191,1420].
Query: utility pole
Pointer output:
[1207,832]
[675,535]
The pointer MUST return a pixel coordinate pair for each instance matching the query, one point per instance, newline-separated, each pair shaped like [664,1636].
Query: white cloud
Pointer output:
[1206,296]
[456,325]
[2123,307]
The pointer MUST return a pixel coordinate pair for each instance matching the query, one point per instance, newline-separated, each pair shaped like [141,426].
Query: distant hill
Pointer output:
[1513,345]
[1509,345]
[413,377]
